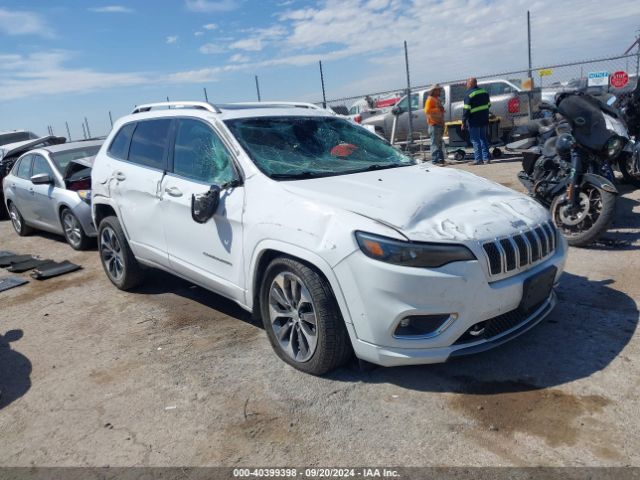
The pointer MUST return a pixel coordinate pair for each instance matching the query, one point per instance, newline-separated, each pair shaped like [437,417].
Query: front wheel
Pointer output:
[73,231]
[118,260]
[583,224]
[630,168]
[302,319]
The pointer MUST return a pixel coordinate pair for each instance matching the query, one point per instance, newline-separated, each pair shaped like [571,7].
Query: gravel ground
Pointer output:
[174,375]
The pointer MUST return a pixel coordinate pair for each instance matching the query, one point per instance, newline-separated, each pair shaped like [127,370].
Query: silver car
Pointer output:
[49,189]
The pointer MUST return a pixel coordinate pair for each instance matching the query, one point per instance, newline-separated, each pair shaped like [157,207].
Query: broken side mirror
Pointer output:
[204,205]
[42,179]
[396,110]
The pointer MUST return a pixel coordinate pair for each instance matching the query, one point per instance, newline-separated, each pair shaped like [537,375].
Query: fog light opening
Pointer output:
[422,325]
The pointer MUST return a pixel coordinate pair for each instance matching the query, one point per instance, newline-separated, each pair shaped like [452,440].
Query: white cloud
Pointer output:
[112,9]
[171,39]
[23,23]
[259,37]
[198,34]
[239,58]
[210,26]
[44,73]
[249,44]
[211,5]
[210,49]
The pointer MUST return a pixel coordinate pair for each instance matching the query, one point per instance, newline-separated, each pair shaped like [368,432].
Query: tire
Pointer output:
[631,172]
[116,256]
[497,153]
[577,237]
[292,297]
[459,155]
[17,221]
[73,232]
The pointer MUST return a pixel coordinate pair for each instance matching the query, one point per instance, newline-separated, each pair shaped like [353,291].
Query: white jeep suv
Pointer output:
[339,242]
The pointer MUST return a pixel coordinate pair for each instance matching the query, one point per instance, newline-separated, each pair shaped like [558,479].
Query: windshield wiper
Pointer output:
[297,175]
[376,166]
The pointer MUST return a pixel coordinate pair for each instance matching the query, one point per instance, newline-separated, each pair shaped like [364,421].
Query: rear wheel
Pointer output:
[582,225]
[17,221]
[73,231]
[459,155]
[116,256]
[630,168]
[302,319]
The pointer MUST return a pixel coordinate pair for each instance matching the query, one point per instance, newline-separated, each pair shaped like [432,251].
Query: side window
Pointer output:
[149,143]
[498,88]
[415,102]
[119,147]
[24,167]
[458,92]
[200,155]
[40,165]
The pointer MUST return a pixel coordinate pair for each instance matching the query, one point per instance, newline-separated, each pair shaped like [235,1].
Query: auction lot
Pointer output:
[174,375]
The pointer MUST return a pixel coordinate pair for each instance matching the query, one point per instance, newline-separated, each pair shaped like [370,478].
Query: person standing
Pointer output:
[475,118]
[434,112]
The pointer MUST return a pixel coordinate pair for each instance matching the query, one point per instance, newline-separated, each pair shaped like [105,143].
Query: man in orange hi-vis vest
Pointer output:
[434,112]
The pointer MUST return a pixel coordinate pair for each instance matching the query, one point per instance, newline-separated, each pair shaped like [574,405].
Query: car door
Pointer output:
[457,93]
[43,207]
[21,184]
[209,253]
[138,162]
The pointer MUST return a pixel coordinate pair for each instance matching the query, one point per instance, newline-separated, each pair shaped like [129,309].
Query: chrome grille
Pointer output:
[510,254]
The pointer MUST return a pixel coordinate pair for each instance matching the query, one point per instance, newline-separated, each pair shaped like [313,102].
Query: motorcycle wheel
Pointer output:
[592,218]
[630,169]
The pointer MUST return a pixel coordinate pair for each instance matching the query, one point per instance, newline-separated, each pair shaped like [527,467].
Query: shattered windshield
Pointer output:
[307,147]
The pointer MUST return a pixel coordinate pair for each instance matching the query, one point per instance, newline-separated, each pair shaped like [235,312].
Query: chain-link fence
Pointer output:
[548,80]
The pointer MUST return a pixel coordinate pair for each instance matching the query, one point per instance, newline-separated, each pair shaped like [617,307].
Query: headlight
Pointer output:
[412,254]
[614,147]
[85,195]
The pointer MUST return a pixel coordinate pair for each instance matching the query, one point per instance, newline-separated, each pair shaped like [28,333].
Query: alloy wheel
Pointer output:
[293,316]
[111,253]
[16,219]
[72,228]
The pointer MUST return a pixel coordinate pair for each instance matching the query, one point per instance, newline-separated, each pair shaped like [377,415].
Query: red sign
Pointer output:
[619,79]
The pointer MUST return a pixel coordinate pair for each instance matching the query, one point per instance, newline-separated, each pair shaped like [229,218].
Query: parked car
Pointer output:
[508,102]
[49,189]
[335,239]
[10,152]
[14,136]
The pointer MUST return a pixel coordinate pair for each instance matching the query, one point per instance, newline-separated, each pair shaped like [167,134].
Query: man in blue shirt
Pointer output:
[475,117]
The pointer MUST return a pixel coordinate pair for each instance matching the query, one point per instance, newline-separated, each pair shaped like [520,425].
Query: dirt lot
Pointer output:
[174,375]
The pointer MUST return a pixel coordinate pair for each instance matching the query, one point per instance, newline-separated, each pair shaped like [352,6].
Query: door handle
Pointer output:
[173,191]
[32,191]
[121,177]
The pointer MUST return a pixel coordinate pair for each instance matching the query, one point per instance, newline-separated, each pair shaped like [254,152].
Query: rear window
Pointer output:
[119,147]
[149,143]
[62,159]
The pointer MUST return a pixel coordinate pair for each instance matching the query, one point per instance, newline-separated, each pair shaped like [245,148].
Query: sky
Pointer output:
[64,60]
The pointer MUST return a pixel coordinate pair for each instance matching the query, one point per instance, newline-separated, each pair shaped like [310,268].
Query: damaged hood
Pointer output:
[427,203]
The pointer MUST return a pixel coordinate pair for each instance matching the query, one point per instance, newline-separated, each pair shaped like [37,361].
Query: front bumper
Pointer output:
[380,295]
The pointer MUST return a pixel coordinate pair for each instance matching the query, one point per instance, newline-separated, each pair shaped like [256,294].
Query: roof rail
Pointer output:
[198,105]
[275,105]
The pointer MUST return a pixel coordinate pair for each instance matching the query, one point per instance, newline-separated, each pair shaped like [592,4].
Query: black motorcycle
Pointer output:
[628,104]
[568,167]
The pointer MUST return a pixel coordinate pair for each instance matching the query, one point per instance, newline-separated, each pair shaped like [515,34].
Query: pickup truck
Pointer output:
[508,102]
